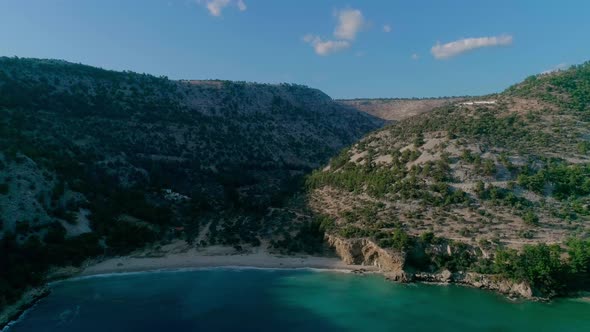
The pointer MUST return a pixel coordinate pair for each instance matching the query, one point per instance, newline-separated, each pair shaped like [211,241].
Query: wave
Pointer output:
[235,268]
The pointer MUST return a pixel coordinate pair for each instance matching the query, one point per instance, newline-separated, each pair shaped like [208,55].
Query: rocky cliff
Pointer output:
[392,264]
[366,252]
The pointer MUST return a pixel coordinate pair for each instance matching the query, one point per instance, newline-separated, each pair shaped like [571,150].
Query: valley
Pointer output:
[487,191]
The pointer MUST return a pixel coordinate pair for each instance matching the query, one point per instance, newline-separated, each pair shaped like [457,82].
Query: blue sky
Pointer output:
[341,47]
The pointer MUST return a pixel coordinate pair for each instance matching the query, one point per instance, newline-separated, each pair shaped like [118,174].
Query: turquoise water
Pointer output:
[282,300]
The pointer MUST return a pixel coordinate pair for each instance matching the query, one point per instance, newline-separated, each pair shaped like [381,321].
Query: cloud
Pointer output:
[559,67]
[216,7]
[350,22]
[415,56]
[326,47]
[460,46]
[242,6]
[387,28]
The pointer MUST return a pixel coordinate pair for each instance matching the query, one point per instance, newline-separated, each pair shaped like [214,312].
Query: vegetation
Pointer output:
[541,266]
[23,264]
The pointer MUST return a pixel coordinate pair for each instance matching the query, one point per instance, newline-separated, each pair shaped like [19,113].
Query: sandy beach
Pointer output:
[179,256]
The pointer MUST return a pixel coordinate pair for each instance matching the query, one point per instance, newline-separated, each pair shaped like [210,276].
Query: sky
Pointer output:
[348,49]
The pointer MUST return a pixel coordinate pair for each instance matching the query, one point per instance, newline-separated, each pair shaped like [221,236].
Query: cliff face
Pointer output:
[366,252]
[398,109]
[477,280]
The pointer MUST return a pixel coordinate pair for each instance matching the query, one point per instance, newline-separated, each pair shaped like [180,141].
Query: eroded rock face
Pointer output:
[477,280]
[392,264]
[497,284]
[366,252]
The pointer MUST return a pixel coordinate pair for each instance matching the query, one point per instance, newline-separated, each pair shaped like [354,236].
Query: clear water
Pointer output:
[282,300]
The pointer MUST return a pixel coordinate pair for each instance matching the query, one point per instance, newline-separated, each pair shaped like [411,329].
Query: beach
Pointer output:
[180,256]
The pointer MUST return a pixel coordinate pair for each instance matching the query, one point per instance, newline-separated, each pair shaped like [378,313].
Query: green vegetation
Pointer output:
[569,89]
[23,264]
[541,266]
[564,181]
[396,182]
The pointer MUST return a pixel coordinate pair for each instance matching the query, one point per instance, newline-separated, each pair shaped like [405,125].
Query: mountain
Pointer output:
[95,160]
[498,185]
[396,109]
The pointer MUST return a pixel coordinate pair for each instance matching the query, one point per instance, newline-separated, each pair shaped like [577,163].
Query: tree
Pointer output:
[579,256]
[530,218]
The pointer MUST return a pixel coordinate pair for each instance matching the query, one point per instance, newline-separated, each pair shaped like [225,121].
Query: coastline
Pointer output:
[15,311]
[177,256]
[217,257]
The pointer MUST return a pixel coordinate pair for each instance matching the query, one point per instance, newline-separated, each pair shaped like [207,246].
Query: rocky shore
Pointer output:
[392,265]
[29,299]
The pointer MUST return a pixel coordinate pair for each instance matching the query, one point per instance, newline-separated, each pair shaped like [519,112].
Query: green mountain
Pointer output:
[95,161]
[470,185]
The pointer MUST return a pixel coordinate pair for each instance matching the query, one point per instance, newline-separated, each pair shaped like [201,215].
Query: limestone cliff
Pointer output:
[366,252]
[363,251]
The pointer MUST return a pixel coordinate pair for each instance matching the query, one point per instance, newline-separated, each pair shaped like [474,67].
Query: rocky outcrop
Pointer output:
[496,283]
[477,280]
[391,263]
[366,252]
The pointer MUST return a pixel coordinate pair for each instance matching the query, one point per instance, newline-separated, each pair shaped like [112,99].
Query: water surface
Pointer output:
[286,300]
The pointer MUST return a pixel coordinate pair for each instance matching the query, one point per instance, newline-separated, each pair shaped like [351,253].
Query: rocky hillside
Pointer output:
[71,124]
[396,109]
[93,160]
[498,184]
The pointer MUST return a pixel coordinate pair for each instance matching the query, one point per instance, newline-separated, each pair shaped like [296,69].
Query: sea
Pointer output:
[247,299]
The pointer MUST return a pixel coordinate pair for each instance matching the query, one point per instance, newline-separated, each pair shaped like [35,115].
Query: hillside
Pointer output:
[97,161]
[498,185]
[396,109]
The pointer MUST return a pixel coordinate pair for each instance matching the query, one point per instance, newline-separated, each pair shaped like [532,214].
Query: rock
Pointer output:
[497,284]
[366,252]
[445,276]
[391,263]
[399,276]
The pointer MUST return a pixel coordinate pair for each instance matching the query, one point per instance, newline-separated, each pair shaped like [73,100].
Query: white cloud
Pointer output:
[415,56]
[242,6]
[460,46]
[387,28]
[326,47]
[559,67]
[350,22]
[216,7]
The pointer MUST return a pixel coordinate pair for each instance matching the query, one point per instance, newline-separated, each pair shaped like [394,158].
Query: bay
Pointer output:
[286,300]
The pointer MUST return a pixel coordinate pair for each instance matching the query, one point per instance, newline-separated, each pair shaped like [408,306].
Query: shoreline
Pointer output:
[218,257]
[107,274]
[179,258]
[16,311]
